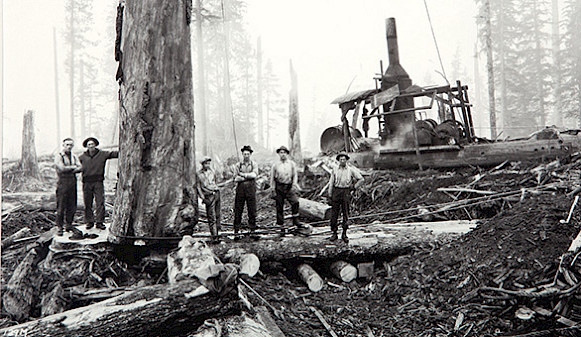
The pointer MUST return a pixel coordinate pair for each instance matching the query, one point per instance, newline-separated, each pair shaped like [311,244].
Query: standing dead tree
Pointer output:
[293,117]
[29,162]
[156,135]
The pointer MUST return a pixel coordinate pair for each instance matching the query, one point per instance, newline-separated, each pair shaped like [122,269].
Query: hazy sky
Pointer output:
[331,42]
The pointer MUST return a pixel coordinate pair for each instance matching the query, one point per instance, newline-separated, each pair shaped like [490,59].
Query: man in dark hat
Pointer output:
[67,166]
[284,185]
[209,191]
[93,161]
[245,173]
[343,179]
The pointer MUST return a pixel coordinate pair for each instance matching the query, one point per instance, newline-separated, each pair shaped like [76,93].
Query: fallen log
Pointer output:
[344,271]
[314,209]
[310,277]
[21,290]
[23,232]
[45,201]
[165,309]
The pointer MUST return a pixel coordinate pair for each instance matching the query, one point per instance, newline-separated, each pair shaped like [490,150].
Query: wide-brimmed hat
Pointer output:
[205,159]
[283,148]
[90,138]
[246,148]
[342,154]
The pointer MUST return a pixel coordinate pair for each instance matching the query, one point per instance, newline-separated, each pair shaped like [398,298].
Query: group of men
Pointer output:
[92,165]
[283,186]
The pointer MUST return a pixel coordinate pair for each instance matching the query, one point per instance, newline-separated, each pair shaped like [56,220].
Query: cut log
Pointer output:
[344,271]
[314,209]
[191,259]
[310,277]
[23,232]
[54,301]
[21,290]
[165,309]
[248,262]
[365,269]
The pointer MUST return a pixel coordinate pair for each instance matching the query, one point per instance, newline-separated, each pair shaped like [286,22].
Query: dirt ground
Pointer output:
[435,290]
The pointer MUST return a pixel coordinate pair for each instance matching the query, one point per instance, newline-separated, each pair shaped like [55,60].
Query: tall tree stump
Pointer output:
[29,162]
[156,145]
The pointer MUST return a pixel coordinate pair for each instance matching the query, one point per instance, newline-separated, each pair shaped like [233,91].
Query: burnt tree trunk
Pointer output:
[29,162]
[156,133]
[293,118]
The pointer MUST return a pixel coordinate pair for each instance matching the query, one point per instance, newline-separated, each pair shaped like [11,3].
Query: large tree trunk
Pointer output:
[29,162]
[293,118]
[490,69]
[203,116]
[160,310]
[157,159]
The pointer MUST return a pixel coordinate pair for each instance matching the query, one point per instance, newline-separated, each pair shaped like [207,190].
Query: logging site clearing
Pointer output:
[469,252]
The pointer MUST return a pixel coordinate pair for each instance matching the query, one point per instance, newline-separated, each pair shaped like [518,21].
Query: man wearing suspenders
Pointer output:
[67,166]
[284,185]
[343,179]
[245,173]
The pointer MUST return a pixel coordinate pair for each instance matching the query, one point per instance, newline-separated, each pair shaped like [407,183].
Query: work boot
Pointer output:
[344,236]
[89,225]
[59,231]
[100,226]
[253,235]
[76,234]
[333,237]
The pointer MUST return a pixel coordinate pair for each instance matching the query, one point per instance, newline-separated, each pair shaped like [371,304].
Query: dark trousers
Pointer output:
[340,203]
[94,190]
[285,191]
[245,193]
[66,201]
[213,213]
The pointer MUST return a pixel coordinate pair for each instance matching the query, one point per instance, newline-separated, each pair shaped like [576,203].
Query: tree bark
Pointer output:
[201,80]
[159,310]
[293,118]
[29,162]
[156,157]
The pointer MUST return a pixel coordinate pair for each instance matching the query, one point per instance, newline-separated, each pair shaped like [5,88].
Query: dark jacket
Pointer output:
[94,166]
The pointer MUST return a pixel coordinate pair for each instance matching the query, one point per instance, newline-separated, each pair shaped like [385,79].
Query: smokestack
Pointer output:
[395,74]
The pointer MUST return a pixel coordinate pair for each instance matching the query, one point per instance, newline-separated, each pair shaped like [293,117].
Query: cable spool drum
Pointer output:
[332,140]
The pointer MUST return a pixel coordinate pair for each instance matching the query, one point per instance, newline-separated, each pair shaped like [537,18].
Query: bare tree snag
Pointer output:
[293,118]
[156,157]
[159,310]
[29,162]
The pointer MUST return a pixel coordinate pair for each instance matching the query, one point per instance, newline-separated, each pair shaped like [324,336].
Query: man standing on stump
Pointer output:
[284,185]
[343,179]
[209,191]
[93,161]
[245,173]
[67,166]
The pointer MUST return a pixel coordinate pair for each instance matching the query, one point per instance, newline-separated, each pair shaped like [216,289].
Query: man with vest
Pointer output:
[343,179]
[245,173]
[67,165]
[93,161]
[209,191]
[284,185]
